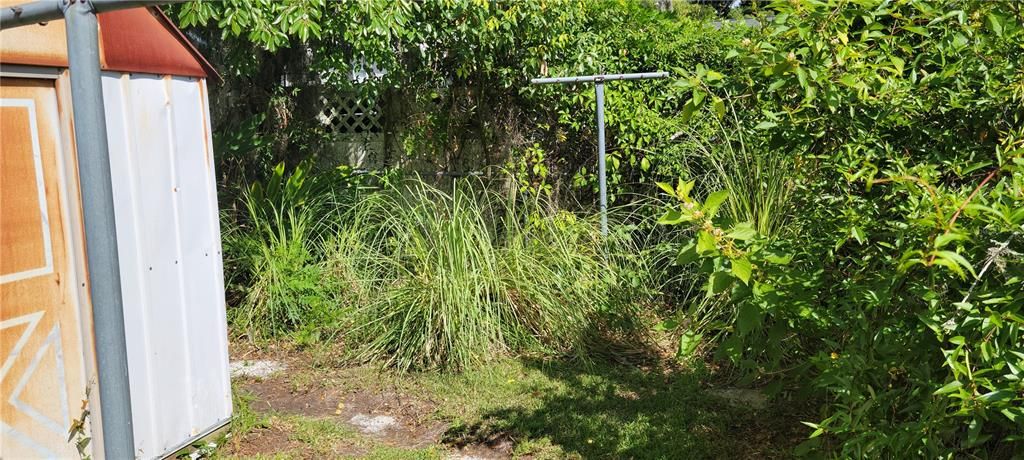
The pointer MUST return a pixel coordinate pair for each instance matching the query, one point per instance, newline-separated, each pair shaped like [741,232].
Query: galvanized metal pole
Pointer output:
[52,10]
[100,230]
[90,130]
[601,161]
[30,13]
[598,81]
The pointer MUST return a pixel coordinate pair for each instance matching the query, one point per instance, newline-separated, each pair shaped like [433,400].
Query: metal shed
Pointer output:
[168,242]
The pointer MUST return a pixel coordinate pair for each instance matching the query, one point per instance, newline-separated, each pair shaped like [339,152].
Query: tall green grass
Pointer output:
[759,179]
[277,277]
[450,278]
[420,277]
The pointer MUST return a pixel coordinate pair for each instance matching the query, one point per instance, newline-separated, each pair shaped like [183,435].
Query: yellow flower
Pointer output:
[835,355]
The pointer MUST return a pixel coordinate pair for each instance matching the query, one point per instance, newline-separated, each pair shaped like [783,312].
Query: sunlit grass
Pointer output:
[449,279]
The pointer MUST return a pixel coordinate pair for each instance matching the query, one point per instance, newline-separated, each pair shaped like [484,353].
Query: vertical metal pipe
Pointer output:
[100,233]
[601,166]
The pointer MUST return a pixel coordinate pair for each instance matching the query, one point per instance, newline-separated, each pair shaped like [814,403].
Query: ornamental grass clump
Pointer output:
[452,278]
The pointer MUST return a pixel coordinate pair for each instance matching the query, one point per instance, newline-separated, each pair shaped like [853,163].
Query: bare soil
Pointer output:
[338,394]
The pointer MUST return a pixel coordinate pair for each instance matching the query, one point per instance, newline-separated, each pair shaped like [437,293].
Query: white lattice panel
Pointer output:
[349,114]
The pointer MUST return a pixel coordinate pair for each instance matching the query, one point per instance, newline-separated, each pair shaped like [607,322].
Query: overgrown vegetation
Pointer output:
[845,182]
[899,296]
[453,277]
[422,278]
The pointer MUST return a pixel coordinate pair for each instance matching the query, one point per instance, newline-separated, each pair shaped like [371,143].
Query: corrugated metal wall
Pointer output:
[170,254]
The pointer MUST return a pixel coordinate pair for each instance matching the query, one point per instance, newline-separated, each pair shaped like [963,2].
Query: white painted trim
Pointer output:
[37,158]
[27,441]
[33,320]
[58,427]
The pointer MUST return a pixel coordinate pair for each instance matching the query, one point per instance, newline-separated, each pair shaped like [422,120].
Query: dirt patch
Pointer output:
[411,423]
[278,396]
[318,385]
[357,398]
[272,439]
[498,448]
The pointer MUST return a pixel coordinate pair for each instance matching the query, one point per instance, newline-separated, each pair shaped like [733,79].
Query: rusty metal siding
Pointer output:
[141,40]
[169,244]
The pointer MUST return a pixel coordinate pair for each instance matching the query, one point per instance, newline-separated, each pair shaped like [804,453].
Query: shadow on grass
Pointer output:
[618,411]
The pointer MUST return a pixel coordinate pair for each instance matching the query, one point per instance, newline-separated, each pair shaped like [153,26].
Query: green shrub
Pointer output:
[278,281]
[450,278]
[898,302]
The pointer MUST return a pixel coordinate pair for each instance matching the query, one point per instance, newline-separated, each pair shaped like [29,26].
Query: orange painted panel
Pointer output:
[42,371]
[43,45]
[21,228]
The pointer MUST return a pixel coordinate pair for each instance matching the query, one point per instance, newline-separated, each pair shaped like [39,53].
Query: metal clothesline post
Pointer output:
[598,81]
[97,202]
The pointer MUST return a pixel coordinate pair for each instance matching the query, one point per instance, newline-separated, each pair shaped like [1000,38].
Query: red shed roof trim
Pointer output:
[145,40]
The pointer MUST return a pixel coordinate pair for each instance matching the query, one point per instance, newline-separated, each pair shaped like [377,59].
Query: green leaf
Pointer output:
[778,258]
[719,106]
[949,387]
[766,125]
[998,395]
[742,231]
[1015,414]
[858,234]
[667,325]
[688,110]
[718,283]
[687,254]
[672,217]
[714,201]
[688,344]
[956,259]
[995,24]
[706,243]
[741,268]
[946,238]
[666,188]
[748,318]
[683,189]
[698,97]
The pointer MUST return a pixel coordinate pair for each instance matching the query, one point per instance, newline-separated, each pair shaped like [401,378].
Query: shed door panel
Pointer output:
[42,383]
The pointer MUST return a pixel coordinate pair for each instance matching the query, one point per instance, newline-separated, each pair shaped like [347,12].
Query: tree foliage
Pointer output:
[461,71]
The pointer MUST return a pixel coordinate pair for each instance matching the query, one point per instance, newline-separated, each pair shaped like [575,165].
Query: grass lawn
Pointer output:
[512,408]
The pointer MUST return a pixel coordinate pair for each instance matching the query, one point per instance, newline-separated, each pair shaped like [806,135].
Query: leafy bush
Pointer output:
[454,277]
[899,297]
